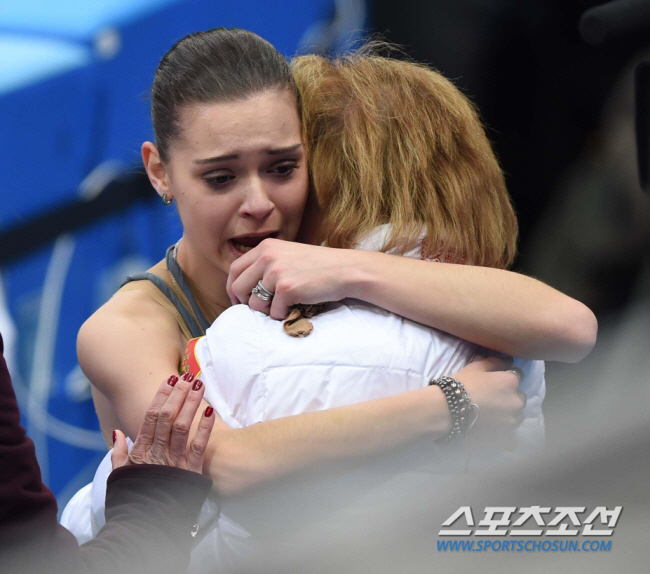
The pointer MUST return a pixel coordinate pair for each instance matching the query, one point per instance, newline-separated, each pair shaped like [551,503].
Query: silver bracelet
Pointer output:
[464,413]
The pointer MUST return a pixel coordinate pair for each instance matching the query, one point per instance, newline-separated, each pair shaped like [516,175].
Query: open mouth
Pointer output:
[245,243]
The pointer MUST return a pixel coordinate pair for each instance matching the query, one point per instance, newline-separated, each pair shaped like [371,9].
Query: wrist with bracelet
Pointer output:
[464,413]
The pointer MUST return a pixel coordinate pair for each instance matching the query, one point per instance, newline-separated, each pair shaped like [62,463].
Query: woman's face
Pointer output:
[238,175]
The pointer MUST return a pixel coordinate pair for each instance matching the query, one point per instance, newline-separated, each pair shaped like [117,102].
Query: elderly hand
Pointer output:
[293,272]
[163,436]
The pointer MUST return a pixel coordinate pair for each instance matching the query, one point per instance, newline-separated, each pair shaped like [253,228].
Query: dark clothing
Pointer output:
[150,512]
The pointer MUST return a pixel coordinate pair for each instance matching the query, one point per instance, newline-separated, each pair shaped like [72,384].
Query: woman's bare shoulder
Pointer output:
[129,309]
[129,331]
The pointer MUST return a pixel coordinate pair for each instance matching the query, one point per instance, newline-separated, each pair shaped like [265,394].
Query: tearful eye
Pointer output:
[218,180]
[284,170]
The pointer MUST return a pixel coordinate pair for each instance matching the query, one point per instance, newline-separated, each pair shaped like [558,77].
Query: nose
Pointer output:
[257,203]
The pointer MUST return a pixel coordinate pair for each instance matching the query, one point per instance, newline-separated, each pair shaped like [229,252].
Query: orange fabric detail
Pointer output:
[189,363]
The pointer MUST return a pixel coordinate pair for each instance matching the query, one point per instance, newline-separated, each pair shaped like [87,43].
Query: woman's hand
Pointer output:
[163,436]
[294,272]
[494,308]
[496,392]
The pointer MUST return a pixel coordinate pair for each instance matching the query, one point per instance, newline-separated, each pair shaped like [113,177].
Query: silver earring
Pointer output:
[165,200]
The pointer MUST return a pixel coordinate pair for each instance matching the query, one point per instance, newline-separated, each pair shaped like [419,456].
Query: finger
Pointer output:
[183,422]
[199,443]
[233,297]
[509,379]
[280,305]
[257,304]
[234,286]
[489,364]
[523,398]
[167,415]
[517,371]
[148,427]
[120,451]
[247,280]
[233,275]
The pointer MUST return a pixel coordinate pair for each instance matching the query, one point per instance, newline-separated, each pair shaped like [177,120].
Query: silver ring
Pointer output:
[518,372]
[262,292]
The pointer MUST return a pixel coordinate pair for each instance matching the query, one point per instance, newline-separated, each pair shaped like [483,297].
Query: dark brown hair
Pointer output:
[217,65]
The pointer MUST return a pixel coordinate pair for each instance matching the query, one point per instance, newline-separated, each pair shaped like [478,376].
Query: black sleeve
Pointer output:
[28,526]
[150,514]
[150,511]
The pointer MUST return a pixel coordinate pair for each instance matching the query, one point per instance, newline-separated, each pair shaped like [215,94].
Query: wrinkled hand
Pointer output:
[294,272]
[495,391]
[163,436]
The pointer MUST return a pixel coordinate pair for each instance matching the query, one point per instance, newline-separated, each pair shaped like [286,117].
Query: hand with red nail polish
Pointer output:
[163,436]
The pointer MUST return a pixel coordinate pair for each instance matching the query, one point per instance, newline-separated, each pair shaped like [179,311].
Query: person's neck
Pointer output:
[208,284]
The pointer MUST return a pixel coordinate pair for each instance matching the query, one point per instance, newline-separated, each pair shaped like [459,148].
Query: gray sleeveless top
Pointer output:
[195,320]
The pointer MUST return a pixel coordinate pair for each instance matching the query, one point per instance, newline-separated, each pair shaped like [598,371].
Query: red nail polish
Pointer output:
[197,385]
[209,411]
[188,377]
[114,437]
[171,381]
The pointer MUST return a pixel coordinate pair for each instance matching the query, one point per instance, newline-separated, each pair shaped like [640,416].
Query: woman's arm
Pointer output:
[125,349]
[239,460]
[498,309]
[130,344]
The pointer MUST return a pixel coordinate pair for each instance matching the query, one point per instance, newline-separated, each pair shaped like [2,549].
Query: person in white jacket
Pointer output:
[448,203]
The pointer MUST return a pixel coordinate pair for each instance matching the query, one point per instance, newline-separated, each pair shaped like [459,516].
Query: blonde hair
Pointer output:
[395,142]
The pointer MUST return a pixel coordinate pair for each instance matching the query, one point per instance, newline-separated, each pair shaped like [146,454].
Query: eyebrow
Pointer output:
[216,159]
[278,151]
[284,149]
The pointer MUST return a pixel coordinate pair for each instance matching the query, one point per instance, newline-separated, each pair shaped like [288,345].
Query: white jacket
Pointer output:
[253,372]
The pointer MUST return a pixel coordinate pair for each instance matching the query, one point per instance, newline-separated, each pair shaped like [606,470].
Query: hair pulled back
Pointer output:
[218,65]
[394,142]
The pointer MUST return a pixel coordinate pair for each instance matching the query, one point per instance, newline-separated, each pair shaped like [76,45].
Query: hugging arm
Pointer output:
[126,349]
[239,460]
[501,310]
